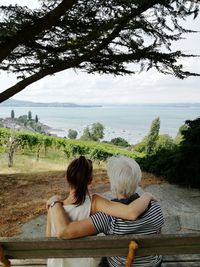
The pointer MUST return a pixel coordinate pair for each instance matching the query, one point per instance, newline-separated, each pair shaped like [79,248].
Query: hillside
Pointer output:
[21,103]
[24,124]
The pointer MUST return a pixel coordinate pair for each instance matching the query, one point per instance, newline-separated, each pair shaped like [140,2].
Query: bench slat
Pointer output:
[181,264]
[168,261]
[184,258]
[97,246]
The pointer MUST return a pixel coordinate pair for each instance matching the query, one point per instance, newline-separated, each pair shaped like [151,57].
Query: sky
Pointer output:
[146,87]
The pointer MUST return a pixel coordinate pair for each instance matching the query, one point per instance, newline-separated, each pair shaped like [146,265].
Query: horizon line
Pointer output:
[106,104]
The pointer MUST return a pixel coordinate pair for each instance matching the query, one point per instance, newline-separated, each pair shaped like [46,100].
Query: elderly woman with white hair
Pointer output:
[124,174]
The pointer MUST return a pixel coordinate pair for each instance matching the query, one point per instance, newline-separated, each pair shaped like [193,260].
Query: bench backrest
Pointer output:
[97,246]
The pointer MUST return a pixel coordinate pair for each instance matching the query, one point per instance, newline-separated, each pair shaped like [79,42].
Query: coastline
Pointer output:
[60,132]
[16,125]
[129,122]
[109,134]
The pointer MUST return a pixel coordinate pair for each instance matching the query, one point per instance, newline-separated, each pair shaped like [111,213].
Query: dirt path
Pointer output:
[23,196]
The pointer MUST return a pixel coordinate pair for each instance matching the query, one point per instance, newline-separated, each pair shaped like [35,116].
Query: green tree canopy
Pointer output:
[186,169]
[153,135]
[12,114]
[98,36]
[72,134]
[179,136]
[29,115]
[86,134]
[178,163]
[36,118]
[119,141]
[95,132]
[164,141]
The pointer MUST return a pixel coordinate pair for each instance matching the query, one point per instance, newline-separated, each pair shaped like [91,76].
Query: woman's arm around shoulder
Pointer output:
[128,212]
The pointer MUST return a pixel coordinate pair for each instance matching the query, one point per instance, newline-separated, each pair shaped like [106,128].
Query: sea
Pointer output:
[130,122]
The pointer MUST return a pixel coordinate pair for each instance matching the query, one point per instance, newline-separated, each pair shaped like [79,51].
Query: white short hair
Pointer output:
[124,174]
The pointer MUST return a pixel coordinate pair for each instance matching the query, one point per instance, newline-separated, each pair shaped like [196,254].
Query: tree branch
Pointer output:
[29,31]
[18,87]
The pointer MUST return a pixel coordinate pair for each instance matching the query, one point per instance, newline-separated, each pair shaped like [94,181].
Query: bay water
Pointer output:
[130,122]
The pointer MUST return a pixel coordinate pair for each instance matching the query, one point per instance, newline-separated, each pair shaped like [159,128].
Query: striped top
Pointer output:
[149,222]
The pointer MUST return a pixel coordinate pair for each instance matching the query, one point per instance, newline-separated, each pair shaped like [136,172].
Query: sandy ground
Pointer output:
[23,197]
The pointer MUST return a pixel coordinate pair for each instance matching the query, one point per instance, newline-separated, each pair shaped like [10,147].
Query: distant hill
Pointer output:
[21,103]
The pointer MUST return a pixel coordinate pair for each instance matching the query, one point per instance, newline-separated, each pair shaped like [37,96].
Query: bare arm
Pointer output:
[128,212]
[66,229]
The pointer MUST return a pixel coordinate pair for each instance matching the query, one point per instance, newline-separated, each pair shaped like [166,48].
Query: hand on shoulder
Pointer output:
[51,200]
[150,196]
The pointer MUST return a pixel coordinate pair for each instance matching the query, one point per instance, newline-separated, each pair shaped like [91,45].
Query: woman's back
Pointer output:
[75,213]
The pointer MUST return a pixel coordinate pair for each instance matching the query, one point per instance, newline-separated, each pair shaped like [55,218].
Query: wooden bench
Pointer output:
[98,246]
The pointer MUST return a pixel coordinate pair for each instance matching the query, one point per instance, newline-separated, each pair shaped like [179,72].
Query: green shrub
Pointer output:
[186,169]
[93,133]
[179,137]
[159,163]
[72,134]
[74,150]
[141,146]
[98,154]
[164,142]
[179,164]
[119,141]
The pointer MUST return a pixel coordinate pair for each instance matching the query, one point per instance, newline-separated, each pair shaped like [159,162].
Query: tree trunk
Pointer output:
[12,145]
[38,154]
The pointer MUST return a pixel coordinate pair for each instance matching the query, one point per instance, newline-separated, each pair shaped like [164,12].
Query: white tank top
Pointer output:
[76,213]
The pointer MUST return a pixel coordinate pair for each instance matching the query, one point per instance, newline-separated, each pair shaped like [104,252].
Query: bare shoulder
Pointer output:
[98,198]
[98,203]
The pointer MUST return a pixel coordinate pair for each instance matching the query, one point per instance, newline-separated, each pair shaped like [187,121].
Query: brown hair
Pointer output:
[79,175]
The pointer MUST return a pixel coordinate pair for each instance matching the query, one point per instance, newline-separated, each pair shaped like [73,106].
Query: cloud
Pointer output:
[146,87]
